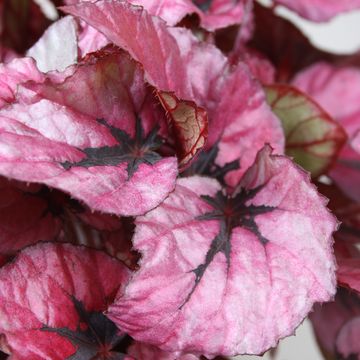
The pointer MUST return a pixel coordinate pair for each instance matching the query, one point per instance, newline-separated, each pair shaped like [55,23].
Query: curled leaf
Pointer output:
[188,123]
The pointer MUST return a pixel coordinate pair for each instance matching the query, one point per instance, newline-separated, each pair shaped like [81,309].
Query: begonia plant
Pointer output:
[178,180]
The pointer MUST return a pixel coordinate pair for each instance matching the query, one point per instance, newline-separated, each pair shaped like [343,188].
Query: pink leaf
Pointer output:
[93,141]
[319,10]
[250,124]
[192,70]
[52,299]
[268,244]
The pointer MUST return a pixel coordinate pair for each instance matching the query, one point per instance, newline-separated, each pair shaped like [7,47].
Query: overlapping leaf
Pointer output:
[312,137]
[268,244]
[193,71]
[52,299]
[179,63]
[92,135]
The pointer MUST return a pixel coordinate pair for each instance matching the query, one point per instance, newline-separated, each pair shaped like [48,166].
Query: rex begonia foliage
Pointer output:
[149,209]
[217,250]
[196,71]
[77,138]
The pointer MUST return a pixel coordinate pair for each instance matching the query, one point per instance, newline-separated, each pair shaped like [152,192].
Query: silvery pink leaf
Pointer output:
[330,85]
[57,48]
[52,302]
[319,10]
[269,244]
[89,140]
[250,124]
